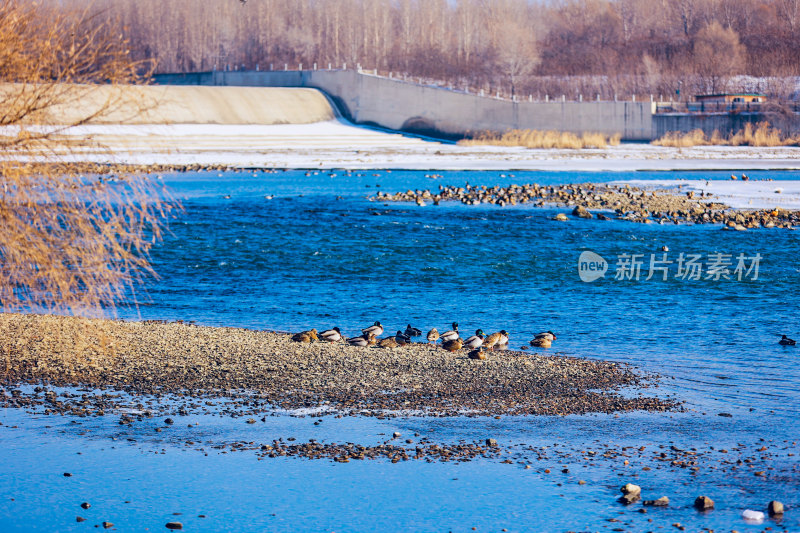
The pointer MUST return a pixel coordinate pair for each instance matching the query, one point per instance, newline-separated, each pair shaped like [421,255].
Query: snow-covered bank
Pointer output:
[736,193]
[338,144]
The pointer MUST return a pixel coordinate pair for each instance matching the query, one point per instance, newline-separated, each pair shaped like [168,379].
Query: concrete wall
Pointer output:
[724,123]
[399,105]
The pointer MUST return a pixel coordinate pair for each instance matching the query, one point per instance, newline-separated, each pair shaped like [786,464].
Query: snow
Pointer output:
[736,193]
[338,144]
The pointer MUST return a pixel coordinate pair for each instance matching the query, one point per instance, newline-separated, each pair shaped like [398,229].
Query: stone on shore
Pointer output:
[581,212]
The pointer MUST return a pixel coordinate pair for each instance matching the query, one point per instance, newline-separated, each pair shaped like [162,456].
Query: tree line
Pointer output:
[570,47]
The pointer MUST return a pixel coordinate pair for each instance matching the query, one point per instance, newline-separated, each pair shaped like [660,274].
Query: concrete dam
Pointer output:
[399,105]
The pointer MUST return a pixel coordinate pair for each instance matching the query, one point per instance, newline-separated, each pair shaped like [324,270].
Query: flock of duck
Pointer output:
[451,339]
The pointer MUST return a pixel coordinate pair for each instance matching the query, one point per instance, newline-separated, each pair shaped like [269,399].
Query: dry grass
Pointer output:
[759,135]
[543,139]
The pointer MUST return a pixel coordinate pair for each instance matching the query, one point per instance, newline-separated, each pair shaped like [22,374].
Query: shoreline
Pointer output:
[261,370]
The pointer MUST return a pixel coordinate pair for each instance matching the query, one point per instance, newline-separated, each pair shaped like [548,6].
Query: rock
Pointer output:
[174,525]
[630,493]
[703,503]
[169,421]
[67,474]
[108,525]
[601,216]
[561,216]
[80,519]
[251,420]
[661,502]
[491,442]
[396,435]
[581,212]
[85,505]
[739,227]
[775,508]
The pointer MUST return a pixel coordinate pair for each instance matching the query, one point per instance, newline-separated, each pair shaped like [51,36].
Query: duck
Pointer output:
[376,329]
[786,341]
[413,332]
[541,342]
[494,340]
[453,345]
[450,335]
[549,335]
[368,339]
[475,341]
[433,336]
[305,336]
[478,353]
[401,338]
[388,342]
[331,335]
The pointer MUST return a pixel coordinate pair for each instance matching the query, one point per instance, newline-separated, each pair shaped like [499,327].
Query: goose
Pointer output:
[453,345]
[786,341]
[450,335]
[475,341]
[401,338]
[413,332]
[305,336]
[331,335]
[433,336]
[376,329]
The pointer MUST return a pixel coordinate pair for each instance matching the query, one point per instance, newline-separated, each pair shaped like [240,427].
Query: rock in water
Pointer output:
[630,493]
[703,503]
[581,212]
[775,508]
[85,505]
[661,502]
[108,525]
[561,216]
[491,442]
[174,525]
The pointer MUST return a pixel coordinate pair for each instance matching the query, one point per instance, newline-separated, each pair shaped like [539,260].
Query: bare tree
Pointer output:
[68,242]
[718,54]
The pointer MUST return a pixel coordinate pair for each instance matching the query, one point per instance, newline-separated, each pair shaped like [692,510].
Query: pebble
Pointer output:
[86,505]
[703,503]
[107,525]
[174,525]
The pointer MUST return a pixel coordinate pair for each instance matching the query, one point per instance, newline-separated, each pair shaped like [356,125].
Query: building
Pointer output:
[731,98]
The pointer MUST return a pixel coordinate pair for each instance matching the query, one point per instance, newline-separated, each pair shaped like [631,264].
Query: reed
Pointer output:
[760,135]
[543,139]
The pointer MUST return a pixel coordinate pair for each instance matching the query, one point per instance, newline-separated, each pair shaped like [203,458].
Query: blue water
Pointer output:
[319,254]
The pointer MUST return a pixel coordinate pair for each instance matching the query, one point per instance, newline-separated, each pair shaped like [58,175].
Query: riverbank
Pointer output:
[264,370]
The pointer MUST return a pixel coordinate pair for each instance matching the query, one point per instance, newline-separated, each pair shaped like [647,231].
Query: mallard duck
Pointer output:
[376,329]
[490,341]
[453,345]
[433,336]
[401,338]
[541,342]
[305,336]
[362,341]
[549,335]
[331,335]
[475,341]
[388,342]
[479,353]
[450,335]
[786,341]
[413,332]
